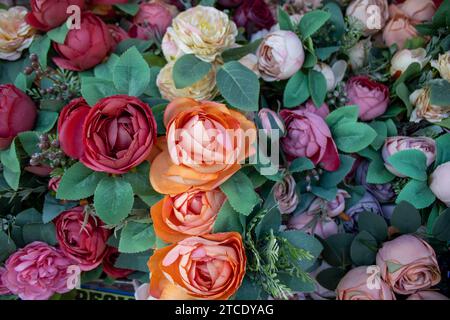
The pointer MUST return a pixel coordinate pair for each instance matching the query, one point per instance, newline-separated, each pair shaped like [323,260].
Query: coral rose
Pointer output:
[205,143]
[190,213]
[49,14]
[208,267]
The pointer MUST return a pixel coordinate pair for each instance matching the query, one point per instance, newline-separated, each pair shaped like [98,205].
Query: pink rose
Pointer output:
[314,223]
[418,10]
[37,271]
[371,97]
[270,121]
[439,183]
[399,28]
[285,194]
[408,264]
[3,289]
[117,35]
[323,111]
[308,136]
[331,208]
[83,241]
[353,286]
[53,184]
[427,295]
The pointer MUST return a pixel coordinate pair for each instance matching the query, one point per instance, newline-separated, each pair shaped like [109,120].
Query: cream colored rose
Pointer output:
[15,34]
[170,48]
[328,74]
[251,62]
[203,31]
[442,64]
[205,89]
[403,58]
[424,109]
[372,14]
[358,54]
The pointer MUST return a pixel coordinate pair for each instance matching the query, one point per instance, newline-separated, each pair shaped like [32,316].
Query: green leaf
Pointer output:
[94,89]
[363,249]
[53,207]
[228,220]
[284,20]
[78,182]
[113,199]
[235,54]
[134,261]
[330,179]
[442,149]
[403,93]
[304,241]
[46,121]
[131,73]
[136,237]
[39,232]
[326,52]
[417,193]
[441,227]
[412,71]
[236,186]
[313,21]
[11,166]
[239,86]
[106,70]
[377,172]
[301,164]
[406,218]
[29,141]
[270,221]
[373,224]
[411,163]
[317,87]
[139,44]
[342,115]
[337,249]
[440,17]
[250,290]
[296,284]
[381,130]
[353,137]
[296,91]
[7,246]
[28,216]
[189,69]
[328,193]
[330,278]
[130,8]
[440,92]
[59,34]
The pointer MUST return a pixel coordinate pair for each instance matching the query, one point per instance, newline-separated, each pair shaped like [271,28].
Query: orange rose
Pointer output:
[190,213]
[209,267]
[205,143]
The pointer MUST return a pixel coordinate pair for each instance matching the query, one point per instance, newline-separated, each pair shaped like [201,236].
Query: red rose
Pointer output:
[17,113]
[118,134]
[86,47]
[117,34]
[83,241]
[108,264]
[254,15]
[49,14]
[70,127]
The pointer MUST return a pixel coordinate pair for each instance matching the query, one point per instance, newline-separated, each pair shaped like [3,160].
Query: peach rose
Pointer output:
[209,267]
[408,264]
[399,29]
[205,143]
[190,213]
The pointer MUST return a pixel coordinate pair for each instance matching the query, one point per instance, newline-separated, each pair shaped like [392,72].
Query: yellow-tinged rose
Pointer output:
[203,31]
[442,64]
[204,89]
[15,34]
[424,109]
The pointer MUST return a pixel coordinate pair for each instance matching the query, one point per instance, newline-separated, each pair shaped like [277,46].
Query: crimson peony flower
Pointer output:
[49,14]
[254,15]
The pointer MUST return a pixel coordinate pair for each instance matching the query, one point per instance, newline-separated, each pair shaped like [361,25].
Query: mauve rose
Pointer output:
[439,183]
[427,295]
[314,223]
[230,3]
[270,121]
[17,113]
[392,145]
[323,111]
[285,194]
[331,208]
[399,29]
[408,264]
[49,14]
[308,136]
[117,35]
[353,286]
[367,203]
[108,264]
[118,134]
[86,47]
[53,184]
[151,21]
[3,289]
[37,271]
[70,127]
[254,15]
[83,240]
[384,192]
[371,97]
[418,10]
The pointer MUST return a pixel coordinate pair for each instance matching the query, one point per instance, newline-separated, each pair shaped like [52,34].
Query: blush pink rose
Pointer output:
[37,271]
[314,223]
[399,28]
[418,10]
[3,289]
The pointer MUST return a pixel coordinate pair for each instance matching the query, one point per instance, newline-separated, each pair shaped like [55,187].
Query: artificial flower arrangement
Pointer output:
[225,149]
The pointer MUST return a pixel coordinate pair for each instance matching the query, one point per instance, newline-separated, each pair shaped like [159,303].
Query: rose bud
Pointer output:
[308,136]
[327,73]
[53,184]
[117,35]
[17,113]
[152,20]
[399,29]
[86,47]
[427,295]
[49,14]
[314,223]
[226,138]
[371,97]
[361,10]
[37,271]
[83,240]
[270,121]
[15,34]
[70,127]
[358,55]
[368,203]
[208,267]
[118,134]
[420,98]
[108,264]
[354,286]
[383,192]
[280,55]
[404,58]
[230,3]
[418,10]
[392,145]
[254,15]
[439,183]
[442,64]
[191,213]
[285,194]
[408,264]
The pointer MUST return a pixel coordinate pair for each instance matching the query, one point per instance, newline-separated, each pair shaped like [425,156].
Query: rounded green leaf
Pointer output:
[353,137]
[417,193]
[373,224]
[189,69]
[363,249]
[296,91]
[406,218]
[411,163]
[78,182]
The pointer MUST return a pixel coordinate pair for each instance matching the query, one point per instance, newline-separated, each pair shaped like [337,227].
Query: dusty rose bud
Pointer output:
[399,29]
[328,74]
[418,10]
[408,264]
[362,10]
[271,121]
[392,145]
[427,295]
[280,55]
[403,58]
[314,223]
[53,184]
[354,286]
[285,193]
[439,183]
